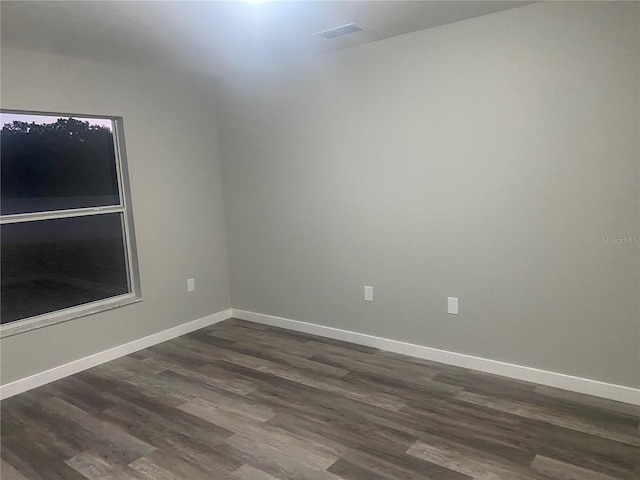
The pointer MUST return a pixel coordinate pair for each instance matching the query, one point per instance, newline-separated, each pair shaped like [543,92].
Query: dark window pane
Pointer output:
[48,265]
[52,163]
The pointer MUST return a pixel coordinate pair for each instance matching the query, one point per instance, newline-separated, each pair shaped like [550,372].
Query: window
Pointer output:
[66,227]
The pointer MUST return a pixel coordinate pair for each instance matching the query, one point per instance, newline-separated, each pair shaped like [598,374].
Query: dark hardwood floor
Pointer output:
[242,401]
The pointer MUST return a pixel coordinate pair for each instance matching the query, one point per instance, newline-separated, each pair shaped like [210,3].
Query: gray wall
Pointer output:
[484,159]
[177,198]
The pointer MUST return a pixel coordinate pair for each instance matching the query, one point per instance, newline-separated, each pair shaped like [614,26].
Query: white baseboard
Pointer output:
[56,373]
[534,375]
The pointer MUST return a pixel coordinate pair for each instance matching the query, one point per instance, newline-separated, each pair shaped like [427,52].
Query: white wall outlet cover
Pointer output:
[368,294]
[191,284]
[452,305]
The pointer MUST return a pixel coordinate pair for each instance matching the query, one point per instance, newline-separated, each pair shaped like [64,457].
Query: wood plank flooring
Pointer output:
[242,401]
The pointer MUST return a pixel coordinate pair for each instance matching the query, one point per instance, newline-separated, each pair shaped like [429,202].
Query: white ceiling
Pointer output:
[216,37]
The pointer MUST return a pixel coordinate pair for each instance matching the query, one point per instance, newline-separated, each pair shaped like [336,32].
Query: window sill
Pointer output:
[41,321]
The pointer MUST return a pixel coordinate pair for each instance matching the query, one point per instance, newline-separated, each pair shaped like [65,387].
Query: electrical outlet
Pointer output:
[452,305]
[368,294]
[191,284]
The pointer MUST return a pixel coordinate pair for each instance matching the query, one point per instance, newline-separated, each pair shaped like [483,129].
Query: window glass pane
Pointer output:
[54,163]
[48,265]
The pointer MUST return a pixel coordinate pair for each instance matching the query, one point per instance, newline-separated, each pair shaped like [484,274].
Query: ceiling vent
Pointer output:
[338,31]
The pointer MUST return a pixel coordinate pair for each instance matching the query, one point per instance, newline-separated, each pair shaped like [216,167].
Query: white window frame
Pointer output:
[124,209]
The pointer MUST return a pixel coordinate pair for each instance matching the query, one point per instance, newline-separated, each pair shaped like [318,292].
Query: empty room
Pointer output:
[320,240]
